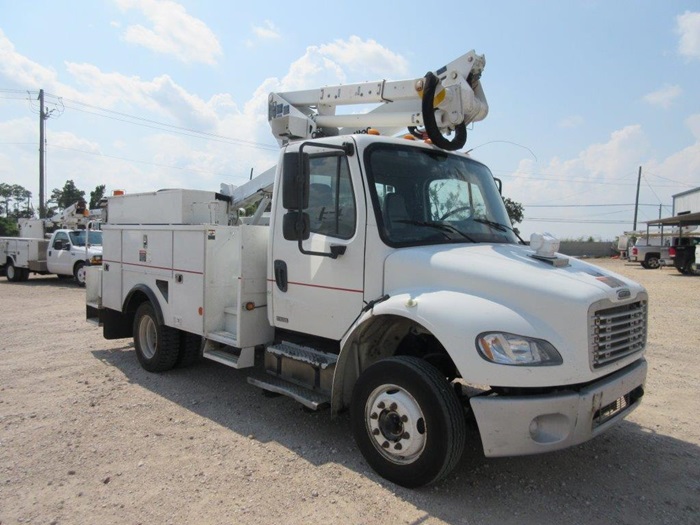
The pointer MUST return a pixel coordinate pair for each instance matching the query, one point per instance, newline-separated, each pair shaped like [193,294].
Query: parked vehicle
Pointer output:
[647,252]
[66,253]
[389,282]
[684,255]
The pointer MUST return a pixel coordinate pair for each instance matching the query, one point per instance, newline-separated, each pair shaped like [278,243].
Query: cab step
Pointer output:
[301,365]
[245,358]
[309,398]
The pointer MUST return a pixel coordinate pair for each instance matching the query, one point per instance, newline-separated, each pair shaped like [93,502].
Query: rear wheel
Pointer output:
[12,272]
[652,262]
[23,274]
[190,349]
[407,421]
[157,346]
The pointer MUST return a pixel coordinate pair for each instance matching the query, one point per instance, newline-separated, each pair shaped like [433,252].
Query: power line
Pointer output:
[161,126]
[85,152]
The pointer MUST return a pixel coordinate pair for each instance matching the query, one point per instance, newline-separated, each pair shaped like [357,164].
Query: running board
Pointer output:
[309,398]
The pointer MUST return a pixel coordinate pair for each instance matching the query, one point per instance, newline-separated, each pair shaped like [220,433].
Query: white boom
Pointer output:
[443,101]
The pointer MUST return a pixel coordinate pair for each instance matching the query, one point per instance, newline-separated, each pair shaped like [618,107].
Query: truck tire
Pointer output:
[651,262]
[12,273]
[23,274]
[79,272]
[190,349]
[157,346]
[407,421]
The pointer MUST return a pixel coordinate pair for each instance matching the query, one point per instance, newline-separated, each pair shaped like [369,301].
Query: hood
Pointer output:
[505,273]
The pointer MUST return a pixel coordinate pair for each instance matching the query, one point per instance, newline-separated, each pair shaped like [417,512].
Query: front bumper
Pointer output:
[521,425]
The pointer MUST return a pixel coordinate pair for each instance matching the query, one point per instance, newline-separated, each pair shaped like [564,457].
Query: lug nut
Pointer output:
[404,419]
[374,415]
[375,432]
[398,446]
[385,444]
[405,435]
[392,406]
[381,405]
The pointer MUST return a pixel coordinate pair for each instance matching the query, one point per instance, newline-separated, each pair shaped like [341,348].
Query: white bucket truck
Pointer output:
[388,282]
[66,252]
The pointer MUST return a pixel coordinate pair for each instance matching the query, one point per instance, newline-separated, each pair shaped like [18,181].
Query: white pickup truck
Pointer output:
[65,254]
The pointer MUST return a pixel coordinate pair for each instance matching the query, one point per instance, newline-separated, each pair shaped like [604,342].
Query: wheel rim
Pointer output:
[10,272]
[80,274]
[147,337]
[396,424]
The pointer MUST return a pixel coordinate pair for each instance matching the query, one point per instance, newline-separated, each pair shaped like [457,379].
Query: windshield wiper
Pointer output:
[497,226]
[438,226]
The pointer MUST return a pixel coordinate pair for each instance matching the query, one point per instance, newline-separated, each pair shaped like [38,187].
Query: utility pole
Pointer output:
[636,202]
[42,125]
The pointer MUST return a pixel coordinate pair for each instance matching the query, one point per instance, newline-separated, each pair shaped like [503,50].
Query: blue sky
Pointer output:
[581,93]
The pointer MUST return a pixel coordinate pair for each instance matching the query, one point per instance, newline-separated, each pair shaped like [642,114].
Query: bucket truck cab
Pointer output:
[388,283]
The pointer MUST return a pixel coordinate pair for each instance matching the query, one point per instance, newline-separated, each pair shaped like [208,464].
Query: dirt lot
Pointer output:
[87,436]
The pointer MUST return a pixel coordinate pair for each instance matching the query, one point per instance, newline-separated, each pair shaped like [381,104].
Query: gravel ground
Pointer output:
[87,436]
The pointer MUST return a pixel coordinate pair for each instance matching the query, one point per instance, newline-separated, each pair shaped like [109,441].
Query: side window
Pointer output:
[60,242]
[331,200]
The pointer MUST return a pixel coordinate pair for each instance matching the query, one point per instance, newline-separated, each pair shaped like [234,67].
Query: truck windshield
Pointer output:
[423,196]
[77,238]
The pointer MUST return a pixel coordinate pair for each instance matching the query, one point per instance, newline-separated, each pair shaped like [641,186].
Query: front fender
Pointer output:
[455,319]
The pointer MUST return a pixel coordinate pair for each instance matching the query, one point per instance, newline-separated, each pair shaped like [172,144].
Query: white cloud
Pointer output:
[267,31]
[572,121]
[663,97]
[173,32]
[366,55]
[22,71]
[688,27]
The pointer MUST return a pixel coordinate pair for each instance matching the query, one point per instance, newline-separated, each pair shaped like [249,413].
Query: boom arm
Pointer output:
[443,101]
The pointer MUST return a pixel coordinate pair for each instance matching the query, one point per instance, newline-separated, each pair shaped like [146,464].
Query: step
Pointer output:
[304,354]
[309,398]
[245,359]
[224,337]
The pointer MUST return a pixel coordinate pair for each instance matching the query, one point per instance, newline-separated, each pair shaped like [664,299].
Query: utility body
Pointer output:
[66,252]
[387,281]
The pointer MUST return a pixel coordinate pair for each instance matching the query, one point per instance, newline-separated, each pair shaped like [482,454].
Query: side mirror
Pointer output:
[296,226]
[499,183]
[58,245]
[295,181]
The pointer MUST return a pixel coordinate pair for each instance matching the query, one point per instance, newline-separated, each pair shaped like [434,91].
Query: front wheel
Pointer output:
[407,421]
[157,346]
[79,273]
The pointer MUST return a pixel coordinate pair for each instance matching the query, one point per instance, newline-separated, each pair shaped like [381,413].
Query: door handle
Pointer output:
[281,275]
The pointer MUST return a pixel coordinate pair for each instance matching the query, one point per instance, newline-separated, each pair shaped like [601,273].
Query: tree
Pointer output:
[6,196]
[16,201]
[67,196]
[8,227]
[96,196]
[515,212]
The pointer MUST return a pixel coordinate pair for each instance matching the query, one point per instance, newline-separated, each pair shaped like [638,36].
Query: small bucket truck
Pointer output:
[67,251]
[388,282]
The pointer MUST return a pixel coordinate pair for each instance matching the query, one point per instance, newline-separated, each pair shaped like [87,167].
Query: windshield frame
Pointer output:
[493,226]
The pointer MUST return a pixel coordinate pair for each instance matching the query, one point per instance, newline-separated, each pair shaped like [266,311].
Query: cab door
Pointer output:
[58,258]
[315,293]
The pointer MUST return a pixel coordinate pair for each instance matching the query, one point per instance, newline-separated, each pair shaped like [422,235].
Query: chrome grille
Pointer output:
[617,332]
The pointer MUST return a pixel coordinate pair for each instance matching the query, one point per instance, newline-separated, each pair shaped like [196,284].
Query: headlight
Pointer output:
[511,349]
